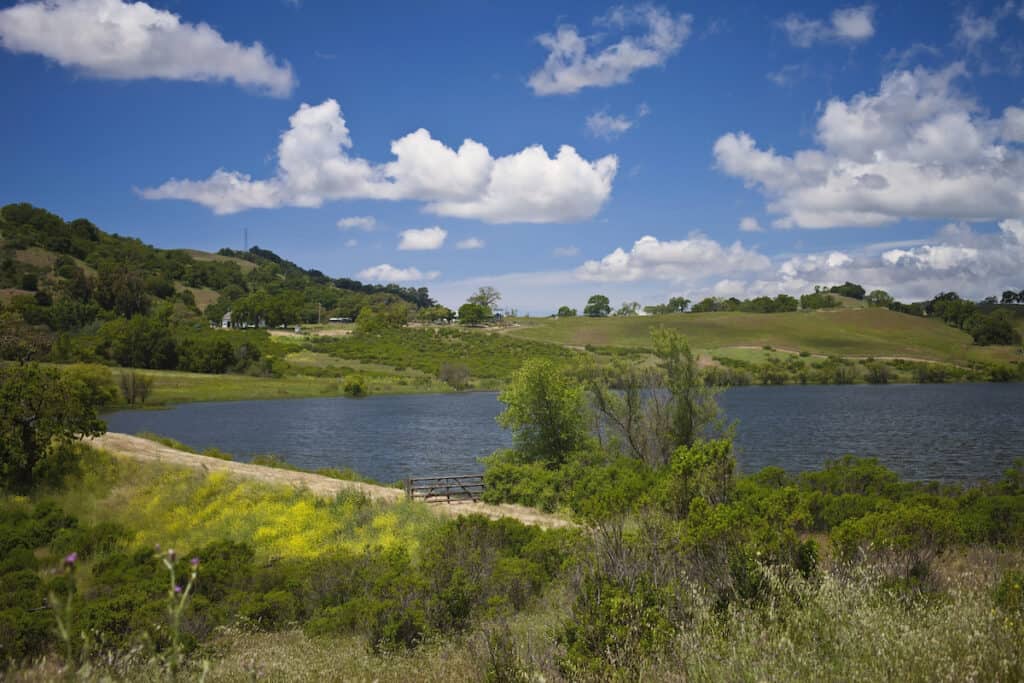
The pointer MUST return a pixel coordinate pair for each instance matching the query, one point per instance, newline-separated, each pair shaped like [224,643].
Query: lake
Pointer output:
[949,432]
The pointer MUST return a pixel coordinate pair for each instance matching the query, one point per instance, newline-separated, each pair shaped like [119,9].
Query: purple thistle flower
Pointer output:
[194,561]
[70,560]
[177,588]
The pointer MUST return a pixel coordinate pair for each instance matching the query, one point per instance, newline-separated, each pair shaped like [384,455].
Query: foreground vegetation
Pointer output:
[680,567]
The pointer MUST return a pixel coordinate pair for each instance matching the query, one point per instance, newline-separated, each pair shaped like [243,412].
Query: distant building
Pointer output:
[225,322]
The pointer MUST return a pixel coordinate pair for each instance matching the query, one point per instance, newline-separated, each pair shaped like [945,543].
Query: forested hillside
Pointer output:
[71,292]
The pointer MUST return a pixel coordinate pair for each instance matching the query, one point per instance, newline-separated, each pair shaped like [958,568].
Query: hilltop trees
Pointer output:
[597,306]
[854,291]
[566,312]
[676,304]
[879,298]
[486,297]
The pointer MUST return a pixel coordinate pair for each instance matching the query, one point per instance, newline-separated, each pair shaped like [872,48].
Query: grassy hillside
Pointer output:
[845,332]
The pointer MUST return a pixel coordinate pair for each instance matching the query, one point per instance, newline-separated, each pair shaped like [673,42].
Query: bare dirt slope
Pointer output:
[144,450]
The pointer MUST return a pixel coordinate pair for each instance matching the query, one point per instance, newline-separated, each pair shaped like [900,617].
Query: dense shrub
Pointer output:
[614,628]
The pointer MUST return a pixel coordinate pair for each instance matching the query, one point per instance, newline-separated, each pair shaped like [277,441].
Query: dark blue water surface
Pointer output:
[955,432]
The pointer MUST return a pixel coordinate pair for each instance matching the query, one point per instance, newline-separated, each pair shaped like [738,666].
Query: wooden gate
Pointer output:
[445,489]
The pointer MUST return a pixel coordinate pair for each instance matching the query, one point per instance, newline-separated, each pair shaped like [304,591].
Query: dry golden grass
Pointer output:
[198,255]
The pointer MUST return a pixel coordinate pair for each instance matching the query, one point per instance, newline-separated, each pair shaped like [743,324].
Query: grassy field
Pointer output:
[171,386]
[847,332]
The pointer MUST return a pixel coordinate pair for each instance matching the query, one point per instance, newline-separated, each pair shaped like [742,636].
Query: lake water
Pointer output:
[954,432]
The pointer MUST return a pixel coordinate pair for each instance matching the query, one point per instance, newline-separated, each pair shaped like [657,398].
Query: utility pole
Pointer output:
[317,312]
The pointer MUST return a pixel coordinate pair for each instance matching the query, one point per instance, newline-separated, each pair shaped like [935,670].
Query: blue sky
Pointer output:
[640,151]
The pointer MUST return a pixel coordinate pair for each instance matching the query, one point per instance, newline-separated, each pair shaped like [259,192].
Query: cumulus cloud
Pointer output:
[572,65]
[750,224]
[130,41]
[470,243]
[693,258]
[364,223]
[974,264]
[917,148]
[851,24]
[424,239]
[386,272]
[314,166]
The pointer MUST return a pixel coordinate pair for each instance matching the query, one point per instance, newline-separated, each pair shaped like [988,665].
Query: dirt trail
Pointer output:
[144,450]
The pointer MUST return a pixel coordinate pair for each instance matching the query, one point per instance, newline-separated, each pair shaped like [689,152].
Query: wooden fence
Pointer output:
[445,489]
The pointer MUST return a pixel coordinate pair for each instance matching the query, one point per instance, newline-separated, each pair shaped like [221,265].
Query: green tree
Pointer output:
[992,328]
[42,410]
[546,411]
[693,408]
[850,289]
[486,297]
[472,314]
[433,313]
[678,303]
[566,312]
[597,306]
[628,308]
[879,298]
[142,342]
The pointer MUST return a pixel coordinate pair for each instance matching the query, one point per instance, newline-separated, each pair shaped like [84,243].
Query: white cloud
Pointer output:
[364,223]
[351,243]
[602,125]
[1013,124]
[130,41]
[788,74]
[974,264]
[916,149]
[695,257]
[566,251]
[750,224]
[314,166]
[424,239]
[850,24]
[470,243]
[385,272]
[571,66]
[973,30]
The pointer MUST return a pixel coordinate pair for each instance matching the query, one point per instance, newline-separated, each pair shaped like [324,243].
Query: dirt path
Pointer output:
[144,450]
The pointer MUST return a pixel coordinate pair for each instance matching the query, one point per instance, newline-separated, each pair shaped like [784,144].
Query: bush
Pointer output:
[455,375]
[705,470]
[507,480]
[614,628]
[877,373]
[355,386]
[902,541]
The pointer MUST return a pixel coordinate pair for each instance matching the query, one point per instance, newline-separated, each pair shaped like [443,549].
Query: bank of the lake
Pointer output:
[955,432]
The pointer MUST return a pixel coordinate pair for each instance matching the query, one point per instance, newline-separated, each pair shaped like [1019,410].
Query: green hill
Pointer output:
[851,332]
